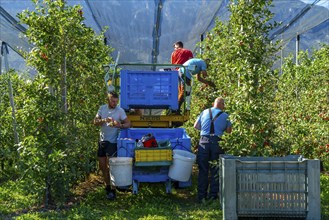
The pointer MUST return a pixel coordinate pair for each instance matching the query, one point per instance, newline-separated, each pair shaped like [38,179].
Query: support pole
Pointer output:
[4,54]
[156,32]
[297,48]
[201,39]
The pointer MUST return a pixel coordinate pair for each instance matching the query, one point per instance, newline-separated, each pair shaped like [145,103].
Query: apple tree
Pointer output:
[302,108]
[58,139]
[241,59]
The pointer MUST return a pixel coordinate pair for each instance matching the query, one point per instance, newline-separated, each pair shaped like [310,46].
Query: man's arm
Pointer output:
[197,123]
[172,58]
[204,73]
[229,129]
[191,54]
[125,123]
[203,80]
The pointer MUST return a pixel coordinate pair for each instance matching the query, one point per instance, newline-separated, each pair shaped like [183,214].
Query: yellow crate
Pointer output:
[153,154]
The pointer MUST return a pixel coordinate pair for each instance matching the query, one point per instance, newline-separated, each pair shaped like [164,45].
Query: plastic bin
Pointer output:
[178,138]
[269,187]
[149,89]
[121,170]
[182,166]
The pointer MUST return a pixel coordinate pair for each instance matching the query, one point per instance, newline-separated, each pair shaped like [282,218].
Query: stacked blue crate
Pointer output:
[148,89]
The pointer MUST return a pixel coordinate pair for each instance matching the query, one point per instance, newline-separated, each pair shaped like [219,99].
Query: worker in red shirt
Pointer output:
[180,55]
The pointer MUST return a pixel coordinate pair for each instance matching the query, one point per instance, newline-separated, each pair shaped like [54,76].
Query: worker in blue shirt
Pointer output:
[191,67]
[212,123]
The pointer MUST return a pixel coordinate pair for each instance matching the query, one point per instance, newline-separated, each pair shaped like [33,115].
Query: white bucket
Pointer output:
[121,171]
[181,169]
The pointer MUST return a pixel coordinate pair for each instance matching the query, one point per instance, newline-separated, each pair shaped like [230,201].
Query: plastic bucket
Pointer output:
[181,168]
[121,171]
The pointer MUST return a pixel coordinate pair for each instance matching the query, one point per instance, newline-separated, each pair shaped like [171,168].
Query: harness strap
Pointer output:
[212,127]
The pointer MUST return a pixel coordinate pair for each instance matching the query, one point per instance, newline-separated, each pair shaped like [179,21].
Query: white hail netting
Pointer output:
[144,30]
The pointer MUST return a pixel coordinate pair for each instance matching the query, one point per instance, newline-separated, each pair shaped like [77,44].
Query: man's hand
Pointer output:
[117,124]
[203,86]
[109,119]
[204,73]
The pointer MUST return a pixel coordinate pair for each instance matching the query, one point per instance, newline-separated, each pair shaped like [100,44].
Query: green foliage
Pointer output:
[324,189]
[302,100]
[55,110]
[272,114]
[8,152]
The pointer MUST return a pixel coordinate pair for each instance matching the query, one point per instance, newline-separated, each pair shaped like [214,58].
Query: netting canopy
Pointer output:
[144,30]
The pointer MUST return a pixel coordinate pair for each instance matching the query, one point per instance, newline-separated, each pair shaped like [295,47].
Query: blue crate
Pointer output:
[126,147]
[178,137]
[149,89]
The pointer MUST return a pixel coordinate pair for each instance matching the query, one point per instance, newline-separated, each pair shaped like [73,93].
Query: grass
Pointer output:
[151,202]
[12,198]
[89,202]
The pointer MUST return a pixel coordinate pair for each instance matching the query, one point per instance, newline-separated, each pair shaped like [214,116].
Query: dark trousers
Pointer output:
[208,150]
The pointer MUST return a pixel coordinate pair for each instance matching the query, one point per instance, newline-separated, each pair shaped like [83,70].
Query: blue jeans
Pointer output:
[208,150]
